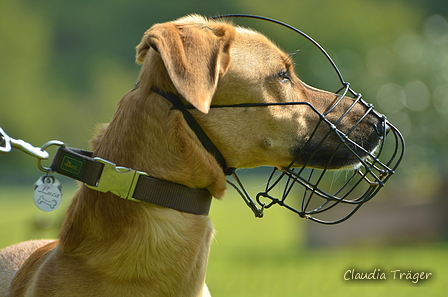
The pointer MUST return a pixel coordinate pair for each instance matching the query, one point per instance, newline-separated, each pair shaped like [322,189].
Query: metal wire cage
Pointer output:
[315,193]
[323,189]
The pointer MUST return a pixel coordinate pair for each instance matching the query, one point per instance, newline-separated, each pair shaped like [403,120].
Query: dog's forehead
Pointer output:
[242,30]
[252,35]
[257,45]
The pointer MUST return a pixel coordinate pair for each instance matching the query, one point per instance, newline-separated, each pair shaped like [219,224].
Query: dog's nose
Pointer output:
[382,127]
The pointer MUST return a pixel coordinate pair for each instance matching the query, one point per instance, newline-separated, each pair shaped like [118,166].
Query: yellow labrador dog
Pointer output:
[109,246]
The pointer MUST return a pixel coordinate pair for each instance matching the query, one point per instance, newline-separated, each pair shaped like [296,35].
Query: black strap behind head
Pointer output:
[202,136]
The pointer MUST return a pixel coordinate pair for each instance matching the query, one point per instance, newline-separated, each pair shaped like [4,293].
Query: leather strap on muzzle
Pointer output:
[202,136]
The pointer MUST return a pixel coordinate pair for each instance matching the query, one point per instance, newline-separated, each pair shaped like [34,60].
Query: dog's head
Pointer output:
[213,63]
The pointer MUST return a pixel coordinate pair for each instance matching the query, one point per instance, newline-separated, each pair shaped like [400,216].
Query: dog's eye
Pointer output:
[284,76]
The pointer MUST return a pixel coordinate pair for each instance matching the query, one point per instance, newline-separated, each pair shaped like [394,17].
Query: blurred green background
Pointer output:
[65,64]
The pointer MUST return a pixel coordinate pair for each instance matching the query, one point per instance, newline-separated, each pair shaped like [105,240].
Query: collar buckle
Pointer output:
[118,180]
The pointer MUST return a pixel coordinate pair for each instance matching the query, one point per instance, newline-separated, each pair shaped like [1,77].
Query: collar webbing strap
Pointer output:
[202,136]
[127,183]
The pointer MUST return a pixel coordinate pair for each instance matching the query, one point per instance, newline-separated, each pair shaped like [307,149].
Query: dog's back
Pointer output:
[12,258]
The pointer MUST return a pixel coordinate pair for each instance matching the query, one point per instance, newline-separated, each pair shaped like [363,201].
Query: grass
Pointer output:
[268,257]
[263,257]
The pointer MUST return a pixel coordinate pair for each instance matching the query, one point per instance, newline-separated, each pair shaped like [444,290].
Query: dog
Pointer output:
[109,246]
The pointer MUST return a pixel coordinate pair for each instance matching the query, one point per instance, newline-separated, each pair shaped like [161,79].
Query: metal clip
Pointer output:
[120,181]
[7,143]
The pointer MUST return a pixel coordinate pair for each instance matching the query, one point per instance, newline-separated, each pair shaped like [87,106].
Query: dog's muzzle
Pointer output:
[346,174]
[311,186]
[315,188]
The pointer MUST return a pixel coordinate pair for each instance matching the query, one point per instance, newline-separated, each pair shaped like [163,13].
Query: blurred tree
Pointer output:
[24,61]
[431,6]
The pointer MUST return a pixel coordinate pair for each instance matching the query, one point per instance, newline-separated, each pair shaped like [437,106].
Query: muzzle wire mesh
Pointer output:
[314,193]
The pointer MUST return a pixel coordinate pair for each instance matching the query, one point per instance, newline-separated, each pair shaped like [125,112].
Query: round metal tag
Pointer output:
[47,193]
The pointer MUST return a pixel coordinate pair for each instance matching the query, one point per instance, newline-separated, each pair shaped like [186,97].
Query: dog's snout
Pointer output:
[382,127]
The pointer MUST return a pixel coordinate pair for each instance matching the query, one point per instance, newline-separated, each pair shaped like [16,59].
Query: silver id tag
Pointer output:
[47,193]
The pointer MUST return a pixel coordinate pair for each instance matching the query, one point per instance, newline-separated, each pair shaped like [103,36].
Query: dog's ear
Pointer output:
[195,56]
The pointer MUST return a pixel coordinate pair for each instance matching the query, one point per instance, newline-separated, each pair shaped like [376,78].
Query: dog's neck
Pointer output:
[145,134]
[162,248]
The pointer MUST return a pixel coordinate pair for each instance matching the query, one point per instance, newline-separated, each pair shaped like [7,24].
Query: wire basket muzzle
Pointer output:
[333,192]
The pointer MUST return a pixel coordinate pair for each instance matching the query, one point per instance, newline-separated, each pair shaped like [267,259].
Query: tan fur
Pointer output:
[112,247]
